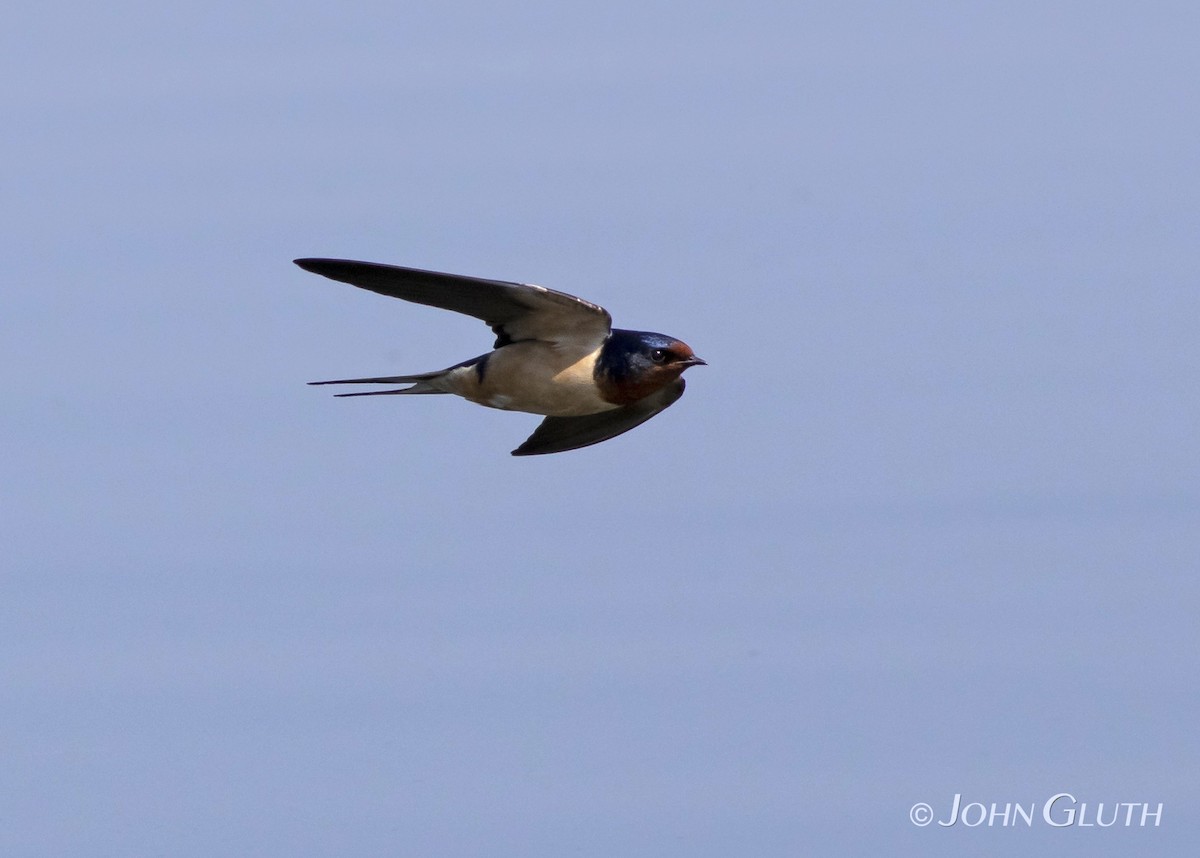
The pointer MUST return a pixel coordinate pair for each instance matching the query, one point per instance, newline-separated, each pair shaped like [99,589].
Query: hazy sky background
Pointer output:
[928,523]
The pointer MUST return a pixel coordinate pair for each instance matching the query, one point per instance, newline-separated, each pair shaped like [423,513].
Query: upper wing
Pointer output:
[515,311]
[559,434]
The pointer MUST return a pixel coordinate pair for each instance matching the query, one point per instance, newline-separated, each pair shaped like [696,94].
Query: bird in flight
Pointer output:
[555,355]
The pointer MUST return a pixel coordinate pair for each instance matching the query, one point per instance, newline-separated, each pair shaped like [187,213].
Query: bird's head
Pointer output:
[634,364]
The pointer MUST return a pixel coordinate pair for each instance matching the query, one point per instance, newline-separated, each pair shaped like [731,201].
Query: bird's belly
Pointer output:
[534,377]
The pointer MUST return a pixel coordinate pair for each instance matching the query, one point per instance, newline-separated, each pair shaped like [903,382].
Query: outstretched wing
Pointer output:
[515,311]
[559,434]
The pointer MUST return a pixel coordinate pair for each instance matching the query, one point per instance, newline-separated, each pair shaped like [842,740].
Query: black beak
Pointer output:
[694,361]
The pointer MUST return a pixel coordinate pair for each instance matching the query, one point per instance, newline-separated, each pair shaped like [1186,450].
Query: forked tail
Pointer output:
[421,383]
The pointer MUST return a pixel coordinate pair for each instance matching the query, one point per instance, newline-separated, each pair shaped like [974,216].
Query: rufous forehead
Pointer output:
[682,350]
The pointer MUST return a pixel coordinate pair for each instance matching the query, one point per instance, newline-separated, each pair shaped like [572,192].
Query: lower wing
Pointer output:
[559,434]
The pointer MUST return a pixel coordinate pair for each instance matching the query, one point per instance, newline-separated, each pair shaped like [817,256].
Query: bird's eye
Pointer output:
[658,356]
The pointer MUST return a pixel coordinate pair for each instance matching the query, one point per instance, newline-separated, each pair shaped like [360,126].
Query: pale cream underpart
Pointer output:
[534,376]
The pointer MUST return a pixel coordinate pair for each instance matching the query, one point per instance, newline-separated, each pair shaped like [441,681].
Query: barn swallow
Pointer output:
[555,355]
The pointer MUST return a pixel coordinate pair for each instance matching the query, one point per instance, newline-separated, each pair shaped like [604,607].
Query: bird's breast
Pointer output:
[535,377]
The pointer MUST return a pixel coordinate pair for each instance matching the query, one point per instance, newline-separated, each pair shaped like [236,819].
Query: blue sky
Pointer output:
[926,525]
